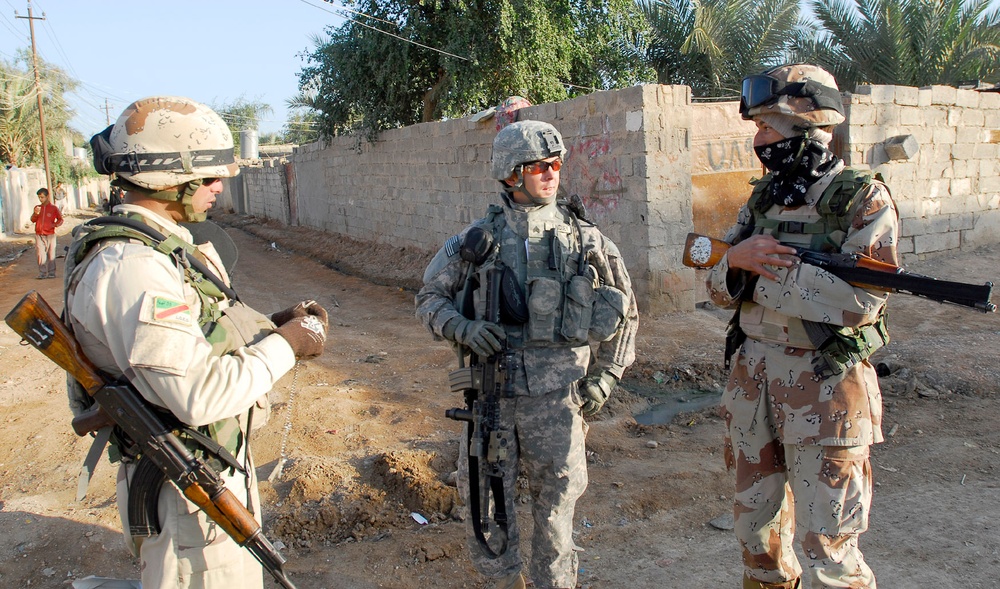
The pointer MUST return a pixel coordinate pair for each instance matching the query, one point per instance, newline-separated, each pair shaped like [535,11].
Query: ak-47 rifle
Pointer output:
[483,383]
[701,251]
[35,321]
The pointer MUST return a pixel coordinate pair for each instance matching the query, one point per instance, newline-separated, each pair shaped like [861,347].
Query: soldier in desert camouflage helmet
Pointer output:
[577,290]
[178,334]
[802,405]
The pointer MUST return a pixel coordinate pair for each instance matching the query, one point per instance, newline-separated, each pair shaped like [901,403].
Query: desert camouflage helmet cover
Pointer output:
[165,141]
[522,142]
[804,109]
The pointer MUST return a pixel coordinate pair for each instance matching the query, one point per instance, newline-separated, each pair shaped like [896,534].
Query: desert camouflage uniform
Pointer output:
[549,429]
[134,314]
[791,430]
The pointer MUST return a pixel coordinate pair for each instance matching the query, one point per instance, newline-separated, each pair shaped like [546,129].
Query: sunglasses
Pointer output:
[540,167]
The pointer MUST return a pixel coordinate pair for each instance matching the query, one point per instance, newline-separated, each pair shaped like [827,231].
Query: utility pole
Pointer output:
[38,91]
[107,111]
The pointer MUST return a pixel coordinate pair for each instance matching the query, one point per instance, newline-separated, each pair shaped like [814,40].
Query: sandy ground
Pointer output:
[368,443]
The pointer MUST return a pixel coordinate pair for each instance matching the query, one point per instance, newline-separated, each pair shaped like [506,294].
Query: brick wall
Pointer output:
[650,166]
[948,194]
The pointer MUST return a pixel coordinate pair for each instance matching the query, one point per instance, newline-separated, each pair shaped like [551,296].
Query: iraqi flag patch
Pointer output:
[170,311]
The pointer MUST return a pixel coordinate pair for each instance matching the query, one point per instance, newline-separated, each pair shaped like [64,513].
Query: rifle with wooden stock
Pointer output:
[701,251]
[35,321]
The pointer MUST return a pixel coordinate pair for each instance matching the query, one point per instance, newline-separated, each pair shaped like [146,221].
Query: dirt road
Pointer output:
[368,444]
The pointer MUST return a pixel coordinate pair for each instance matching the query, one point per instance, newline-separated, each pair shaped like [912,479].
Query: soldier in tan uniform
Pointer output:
[575,289]
[802,405]
[178,335]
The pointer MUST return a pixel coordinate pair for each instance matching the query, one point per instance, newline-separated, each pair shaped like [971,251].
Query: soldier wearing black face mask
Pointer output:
[802,404]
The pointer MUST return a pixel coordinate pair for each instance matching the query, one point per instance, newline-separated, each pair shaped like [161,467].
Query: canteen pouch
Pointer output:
[577,309]
[543,309]
[610,306]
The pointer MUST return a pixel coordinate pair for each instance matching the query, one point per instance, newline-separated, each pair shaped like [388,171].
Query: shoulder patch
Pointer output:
[164,310]
[452,246]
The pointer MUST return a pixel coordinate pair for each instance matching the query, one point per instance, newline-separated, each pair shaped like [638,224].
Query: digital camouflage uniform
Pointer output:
[542,245]
[791,433]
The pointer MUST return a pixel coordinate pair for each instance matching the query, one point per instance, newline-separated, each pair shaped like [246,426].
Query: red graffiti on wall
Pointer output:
[594,175]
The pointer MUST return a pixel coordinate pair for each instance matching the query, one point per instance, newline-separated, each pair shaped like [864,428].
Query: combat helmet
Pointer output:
[166,146]
[522,142]
[807,94]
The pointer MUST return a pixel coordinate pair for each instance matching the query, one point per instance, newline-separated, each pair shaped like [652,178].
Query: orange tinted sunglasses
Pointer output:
[540,167]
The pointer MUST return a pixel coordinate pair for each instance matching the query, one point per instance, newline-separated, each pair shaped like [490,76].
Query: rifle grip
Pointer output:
[91,420]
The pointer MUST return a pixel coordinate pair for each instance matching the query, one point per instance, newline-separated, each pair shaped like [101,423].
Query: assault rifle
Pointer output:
[701,251]
[483,383]
[35,321]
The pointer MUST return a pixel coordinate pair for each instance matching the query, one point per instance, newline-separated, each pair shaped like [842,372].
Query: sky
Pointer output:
[213,51]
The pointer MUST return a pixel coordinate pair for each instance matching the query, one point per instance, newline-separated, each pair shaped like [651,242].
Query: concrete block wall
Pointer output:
[266,190]
[419,185]
[948,194]
[650,167]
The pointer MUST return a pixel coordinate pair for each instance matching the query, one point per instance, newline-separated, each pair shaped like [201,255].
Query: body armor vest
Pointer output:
[823,228]
[227,328]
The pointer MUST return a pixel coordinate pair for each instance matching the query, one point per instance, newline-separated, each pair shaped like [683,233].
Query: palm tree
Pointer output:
[711,45]
[905,42]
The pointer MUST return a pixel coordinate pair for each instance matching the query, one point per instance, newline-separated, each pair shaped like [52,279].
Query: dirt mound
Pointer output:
[329,502]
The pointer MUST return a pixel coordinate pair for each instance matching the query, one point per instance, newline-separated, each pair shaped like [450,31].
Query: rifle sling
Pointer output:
[475,507]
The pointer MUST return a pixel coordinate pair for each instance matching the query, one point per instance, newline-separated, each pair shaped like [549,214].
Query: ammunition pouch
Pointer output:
[840,348]
[610,308]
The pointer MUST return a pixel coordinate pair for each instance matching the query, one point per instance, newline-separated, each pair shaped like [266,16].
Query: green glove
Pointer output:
[595,391]
[482,337]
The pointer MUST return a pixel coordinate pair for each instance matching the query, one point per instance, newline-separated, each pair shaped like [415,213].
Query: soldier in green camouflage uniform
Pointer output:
[803,403]
[577,290]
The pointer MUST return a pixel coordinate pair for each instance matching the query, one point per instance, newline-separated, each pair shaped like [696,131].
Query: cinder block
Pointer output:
[901,147]
[943,95]
[936,242]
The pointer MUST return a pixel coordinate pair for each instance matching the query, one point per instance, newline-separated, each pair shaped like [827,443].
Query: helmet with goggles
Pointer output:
[806,93]
[524,142]
[166,146]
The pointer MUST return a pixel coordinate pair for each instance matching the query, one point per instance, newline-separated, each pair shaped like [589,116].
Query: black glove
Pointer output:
[595,391]
[482,337]
[302,309]
[306,335]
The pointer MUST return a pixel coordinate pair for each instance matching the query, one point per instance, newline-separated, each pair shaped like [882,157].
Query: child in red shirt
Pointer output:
[46,218]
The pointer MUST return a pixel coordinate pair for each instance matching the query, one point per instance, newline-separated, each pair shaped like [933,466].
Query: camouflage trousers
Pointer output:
[547,445]
[825,490]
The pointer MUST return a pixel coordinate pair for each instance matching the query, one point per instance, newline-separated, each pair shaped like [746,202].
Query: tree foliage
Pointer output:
[711,45]
[242,115]
[431,59]
[906,42]
[20,128]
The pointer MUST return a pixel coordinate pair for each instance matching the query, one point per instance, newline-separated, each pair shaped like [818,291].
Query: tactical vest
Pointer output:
[225,329]
[841,347]
[566,300]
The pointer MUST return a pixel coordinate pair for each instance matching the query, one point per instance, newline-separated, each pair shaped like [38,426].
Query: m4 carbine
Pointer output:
[483,383]
[35,321]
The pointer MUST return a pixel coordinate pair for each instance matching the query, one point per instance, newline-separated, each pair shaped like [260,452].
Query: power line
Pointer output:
[378,30]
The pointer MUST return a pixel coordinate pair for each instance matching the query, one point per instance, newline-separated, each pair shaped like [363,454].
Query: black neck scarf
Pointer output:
[796,164]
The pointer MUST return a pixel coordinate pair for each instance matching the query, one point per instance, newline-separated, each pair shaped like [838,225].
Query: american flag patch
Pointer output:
[452,246]
[170,310]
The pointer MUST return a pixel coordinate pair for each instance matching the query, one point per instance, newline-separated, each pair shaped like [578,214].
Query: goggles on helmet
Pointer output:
[761,89]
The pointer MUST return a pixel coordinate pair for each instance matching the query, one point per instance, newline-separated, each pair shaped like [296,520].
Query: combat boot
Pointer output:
[749,583]
[512,581]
